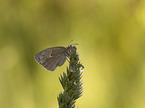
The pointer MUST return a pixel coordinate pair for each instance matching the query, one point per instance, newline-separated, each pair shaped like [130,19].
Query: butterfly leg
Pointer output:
[67,59]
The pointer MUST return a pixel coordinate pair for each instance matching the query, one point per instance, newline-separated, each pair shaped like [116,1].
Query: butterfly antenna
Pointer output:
[72,44]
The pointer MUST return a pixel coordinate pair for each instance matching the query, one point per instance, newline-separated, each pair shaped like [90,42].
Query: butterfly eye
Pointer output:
[70,49]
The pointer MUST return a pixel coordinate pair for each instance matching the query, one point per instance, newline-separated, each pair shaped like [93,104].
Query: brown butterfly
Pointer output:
[52,57]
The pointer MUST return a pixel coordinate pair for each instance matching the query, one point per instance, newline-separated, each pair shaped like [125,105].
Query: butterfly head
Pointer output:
[70,49]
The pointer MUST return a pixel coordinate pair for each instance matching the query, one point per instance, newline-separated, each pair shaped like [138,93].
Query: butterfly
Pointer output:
[52,57]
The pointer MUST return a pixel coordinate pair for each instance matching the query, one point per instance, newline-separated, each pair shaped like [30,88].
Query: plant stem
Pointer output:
[71,82]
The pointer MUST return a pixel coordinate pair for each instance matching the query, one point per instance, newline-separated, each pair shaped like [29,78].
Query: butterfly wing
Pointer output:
[57,61]
[51,58]
[61,60]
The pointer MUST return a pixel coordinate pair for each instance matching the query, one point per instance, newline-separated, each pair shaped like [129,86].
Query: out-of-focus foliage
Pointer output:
[111,37]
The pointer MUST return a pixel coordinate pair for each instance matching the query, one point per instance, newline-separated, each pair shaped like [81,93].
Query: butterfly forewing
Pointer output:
[52,57]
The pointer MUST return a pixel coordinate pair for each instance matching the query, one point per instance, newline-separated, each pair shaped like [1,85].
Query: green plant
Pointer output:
[71,82]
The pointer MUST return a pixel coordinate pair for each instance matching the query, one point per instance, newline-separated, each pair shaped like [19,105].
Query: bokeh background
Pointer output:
[111,38]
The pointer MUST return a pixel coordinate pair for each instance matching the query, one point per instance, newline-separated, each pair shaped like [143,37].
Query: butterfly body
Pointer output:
[52,57]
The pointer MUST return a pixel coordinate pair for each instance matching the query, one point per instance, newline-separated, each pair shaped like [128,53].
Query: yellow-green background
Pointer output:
[111,37]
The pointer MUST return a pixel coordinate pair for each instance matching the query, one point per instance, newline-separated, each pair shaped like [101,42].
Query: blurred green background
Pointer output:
[111,37]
